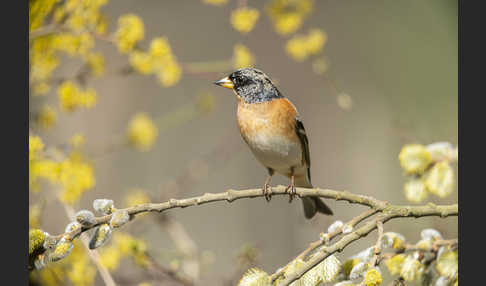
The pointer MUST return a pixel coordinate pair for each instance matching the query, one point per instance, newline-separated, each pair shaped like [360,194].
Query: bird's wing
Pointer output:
[300,131]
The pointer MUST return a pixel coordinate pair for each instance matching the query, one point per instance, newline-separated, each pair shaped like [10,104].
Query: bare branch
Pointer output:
[232,195]
[377,250]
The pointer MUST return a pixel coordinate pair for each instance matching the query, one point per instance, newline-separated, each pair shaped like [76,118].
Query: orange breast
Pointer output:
[272,118]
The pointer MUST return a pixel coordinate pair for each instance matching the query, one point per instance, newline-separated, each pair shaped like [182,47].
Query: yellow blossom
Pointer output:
[74,44]
[38,11]
[71,97]
[159,60]
[244,19]
[35,147]
[76,177]
[316,40]
[287,15]
[130,32]
[81,15]
[42,168]
[46,169]
[349,264]
[36,239]
[300,47]
[160,48]
[242,57]
[297,48]
[47,117]
[373,277]
[43,59]
[68,93]
[96,63]
[288,23]
[215,2]
[170,74]
[394,264]
[141,61]
[142,132]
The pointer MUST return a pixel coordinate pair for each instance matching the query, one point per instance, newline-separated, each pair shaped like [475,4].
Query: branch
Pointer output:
[233,195]
[377,250]
[390,212]
[327,238]
[386,212]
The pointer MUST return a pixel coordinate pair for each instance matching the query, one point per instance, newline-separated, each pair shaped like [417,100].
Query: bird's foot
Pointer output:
[291,191]
[267,192]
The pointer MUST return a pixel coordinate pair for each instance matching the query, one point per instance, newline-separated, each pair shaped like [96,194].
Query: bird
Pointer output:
[273,130]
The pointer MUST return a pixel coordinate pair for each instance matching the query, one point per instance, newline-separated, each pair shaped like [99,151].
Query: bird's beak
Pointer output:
[225,82]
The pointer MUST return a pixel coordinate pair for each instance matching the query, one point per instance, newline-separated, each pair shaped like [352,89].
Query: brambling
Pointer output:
[270,125]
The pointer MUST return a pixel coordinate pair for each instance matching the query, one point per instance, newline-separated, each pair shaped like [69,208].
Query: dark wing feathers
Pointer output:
[300,131]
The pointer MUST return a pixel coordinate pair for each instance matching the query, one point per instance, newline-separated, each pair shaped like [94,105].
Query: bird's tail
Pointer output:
[312,205]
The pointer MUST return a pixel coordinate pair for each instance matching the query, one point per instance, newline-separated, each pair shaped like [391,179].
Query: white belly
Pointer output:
[277,152]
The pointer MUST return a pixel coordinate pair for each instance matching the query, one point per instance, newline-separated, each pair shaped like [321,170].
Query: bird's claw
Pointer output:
[291,191]
[267,192]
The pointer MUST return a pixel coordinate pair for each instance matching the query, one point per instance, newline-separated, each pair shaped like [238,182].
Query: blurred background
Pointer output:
[384,74]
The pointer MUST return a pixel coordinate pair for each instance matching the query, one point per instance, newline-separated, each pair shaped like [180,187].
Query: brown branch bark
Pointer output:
[233,195]
[385,212]
[390,212]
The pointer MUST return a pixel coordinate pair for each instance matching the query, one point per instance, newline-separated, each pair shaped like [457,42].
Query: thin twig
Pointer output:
[389,213]
[328,237]
[377,250]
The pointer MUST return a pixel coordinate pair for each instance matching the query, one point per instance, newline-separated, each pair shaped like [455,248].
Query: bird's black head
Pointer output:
[251,85]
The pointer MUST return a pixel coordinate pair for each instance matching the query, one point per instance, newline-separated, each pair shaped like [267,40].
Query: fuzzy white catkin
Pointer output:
[104,206]
[72,226]
[442,281]
[430,233]
[358,270]
[100,236]
[365,255]
[335,226]
[119,218]
[85,218]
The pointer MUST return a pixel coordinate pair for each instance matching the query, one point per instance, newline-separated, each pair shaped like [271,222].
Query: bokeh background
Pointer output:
[387,76]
